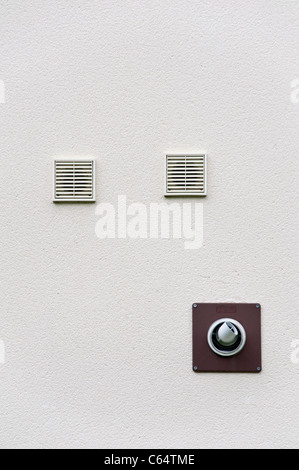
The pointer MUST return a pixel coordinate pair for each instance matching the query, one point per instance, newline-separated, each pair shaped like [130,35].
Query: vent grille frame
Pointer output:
[74,180]
[185,174]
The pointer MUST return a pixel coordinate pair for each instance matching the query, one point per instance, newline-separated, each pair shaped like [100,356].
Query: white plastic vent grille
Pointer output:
[186,175]
[74,180]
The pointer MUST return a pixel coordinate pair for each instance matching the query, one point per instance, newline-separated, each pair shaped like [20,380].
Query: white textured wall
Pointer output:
[98,333]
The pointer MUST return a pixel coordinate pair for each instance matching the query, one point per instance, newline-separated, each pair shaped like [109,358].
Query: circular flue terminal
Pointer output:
[226,337]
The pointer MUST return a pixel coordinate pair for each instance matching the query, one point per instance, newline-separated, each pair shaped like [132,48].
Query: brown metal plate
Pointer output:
[249,359]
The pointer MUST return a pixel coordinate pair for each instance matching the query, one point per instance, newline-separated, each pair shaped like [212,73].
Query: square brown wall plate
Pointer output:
[212,349]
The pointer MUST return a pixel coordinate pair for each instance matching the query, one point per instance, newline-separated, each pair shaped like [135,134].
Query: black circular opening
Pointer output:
[219,346]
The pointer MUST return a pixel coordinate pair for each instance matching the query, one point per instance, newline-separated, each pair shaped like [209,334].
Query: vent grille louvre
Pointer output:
[185,175]
[74,180]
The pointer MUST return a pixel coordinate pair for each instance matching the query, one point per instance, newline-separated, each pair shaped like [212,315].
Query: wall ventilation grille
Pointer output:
[74,180]
[186,175]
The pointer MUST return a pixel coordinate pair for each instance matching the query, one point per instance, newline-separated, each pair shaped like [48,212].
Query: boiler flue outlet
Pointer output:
[226,337]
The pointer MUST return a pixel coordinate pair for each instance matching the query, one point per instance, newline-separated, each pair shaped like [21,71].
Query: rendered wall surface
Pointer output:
[98,333]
